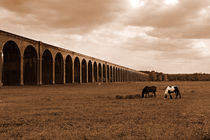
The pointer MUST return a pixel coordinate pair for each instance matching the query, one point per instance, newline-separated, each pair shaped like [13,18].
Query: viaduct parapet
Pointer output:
[25,61]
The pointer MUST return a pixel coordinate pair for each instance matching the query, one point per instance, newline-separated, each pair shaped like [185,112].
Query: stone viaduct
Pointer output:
[24,61]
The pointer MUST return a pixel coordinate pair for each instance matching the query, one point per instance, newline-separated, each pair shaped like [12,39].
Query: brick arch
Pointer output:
[104,73]
[30,66]
[84,71]
[95,72]
[123,75]
[11,63]
[99,72]
[47,67]
[76,70]
[107,73]
[59,68]
[114,74]
[111,74]
[90,73]
[68,69]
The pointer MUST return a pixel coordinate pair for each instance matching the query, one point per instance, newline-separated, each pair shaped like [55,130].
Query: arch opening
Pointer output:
[30,66]
[104,73]
[90,72]
[95,72]
[11,64]
[76,70]
[116,78]
[59,69]
[126,75]
[84,71]
[99,73]
[47,67]
[120,78]
[122,75]
[114,74]
[69,69]
[111,74]
[107,69]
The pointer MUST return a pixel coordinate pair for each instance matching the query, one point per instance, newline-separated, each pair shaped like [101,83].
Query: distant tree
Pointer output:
[165,77]
[153,76]
[160,77]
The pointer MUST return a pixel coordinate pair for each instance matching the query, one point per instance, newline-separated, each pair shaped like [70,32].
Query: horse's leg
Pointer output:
[165,96]
[176,94]
[170,96]
[179,95]
[154,93]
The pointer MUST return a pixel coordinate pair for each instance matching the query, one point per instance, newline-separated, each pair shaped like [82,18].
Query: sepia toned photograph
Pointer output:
[104,69]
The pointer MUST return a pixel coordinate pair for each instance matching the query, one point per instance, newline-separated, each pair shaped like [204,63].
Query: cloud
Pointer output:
[186,19]
[197,29]
[65,13]
[158,15]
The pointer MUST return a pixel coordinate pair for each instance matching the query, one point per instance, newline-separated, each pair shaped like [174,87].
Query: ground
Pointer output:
[91,111]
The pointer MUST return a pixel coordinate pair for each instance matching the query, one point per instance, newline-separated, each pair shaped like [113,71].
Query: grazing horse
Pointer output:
[172,89]
[148,89]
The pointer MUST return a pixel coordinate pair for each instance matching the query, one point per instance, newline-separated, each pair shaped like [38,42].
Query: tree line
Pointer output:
[159,76]
[189,77]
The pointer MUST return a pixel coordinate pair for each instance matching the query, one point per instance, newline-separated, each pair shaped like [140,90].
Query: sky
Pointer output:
[170,36]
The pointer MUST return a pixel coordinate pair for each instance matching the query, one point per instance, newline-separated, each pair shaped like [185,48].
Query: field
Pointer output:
[88,111]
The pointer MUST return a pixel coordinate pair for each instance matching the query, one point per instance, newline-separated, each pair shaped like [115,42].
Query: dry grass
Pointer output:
[92,112]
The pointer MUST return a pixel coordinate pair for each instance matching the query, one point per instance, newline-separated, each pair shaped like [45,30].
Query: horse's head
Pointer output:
[167,91]
[144,90]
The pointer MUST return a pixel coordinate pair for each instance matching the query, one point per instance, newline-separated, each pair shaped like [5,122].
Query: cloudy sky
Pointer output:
[171,36]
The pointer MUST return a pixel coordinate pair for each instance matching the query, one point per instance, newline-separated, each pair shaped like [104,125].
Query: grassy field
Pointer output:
[68,112]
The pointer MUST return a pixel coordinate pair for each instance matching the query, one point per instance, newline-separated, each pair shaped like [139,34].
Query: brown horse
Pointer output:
[146,90]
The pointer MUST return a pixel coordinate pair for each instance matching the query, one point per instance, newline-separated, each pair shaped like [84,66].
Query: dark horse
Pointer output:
[172,89]
[146,90]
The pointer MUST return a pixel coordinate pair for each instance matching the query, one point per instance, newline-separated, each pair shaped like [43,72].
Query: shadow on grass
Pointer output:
[136,96]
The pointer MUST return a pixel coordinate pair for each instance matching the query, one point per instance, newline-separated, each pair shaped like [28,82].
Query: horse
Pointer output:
[172,89]
[148,89]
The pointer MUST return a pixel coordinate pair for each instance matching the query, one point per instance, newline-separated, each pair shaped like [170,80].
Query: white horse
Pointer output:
[172,89]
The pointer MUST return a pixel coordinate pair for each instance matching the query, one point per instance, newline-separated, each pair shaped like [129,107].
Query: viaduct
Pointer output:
[25,61]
